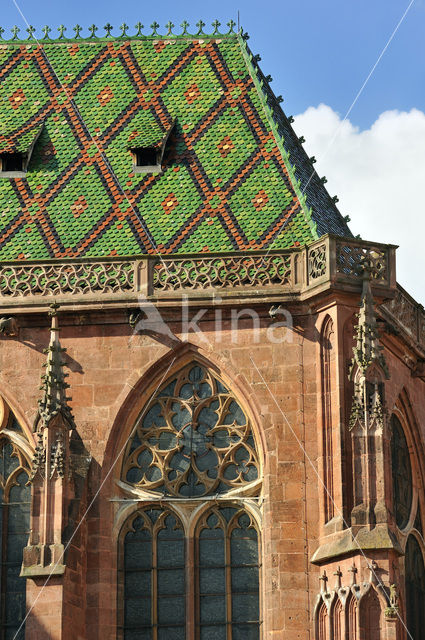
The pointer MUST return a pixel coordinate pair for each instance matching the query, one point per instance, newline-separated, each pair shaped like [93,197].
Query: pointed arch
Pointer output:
[192,439]
[322,623]
[151,576]
[15,502]
[351,617]
[338,621]
[326,363]
[146,386]
[403,415]
[401,474]
[370,616]
[227,573]
[14,422]
[415,588]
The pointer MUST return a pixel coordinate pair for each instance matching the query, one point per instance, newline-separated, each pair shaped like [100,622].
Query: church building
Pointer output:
[212,409]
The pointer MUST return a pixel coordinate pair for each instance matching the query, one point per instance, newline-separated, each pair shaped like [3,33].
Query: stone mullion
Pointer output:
[154,585]
[192,580]
[4,567]
[228,579]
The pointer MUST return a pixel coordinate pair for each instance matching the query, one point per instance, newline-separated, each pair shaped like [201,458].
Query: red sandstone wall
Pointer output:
[107,377]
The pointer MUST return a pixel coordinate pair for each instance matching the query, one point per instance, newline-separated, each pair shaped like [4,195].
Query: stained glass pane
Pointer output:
[192,440]
[154,576]
[245,607]
[245,632]
[141,634]
[138,555]
[14,531]
[213,609]
[172,633]
[170,610]
[212,581]
[137,612]
[244,578]
[228,556]
[137,583]
[213,633]
[415,589]
[402,474]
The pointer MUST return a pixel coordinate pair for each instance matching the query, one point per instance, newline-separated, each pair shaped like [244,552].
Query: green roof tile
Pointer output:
[227,179]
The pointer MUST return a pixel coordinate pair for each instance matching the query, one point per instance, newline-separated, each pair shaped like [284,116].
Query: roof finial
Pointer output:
[184,25]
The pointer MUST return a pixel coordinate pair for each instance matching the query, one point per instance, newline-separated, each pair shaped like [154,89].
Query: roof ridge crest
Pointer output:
[93,29]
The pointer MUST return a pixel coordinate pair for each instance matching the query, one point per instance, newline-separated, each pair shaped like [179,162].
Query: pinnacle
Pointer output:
[54,399]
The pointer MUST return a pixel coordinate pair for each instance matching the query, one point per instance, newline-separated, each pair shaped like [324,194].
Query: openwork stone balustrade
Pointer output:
[299,272]
[328,260]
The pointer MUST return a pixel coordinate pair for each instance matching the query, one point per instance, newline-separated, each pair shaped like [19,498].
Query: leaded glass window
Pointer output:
[189,566]
[154,577]
[227,565]
[192,440]
[14,531]
[401,474]
[415,589]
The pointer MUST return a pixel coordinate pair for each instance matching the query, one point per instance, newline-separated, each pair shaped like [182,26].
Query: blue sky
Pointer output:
[315,51]
[319,55]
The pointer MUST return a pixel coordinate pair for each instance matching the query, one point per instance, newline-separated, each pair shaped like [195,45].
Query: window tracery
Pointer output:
[192,442]
[415,588]
[401,474]
[228,568]
[154,576]
[194,439]
[14,530]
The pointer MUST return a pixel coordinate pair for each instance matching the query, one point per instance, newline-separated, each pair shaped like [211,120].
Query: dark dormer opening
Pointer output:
[12,163]
[147,146]
[15,153]
[146,157]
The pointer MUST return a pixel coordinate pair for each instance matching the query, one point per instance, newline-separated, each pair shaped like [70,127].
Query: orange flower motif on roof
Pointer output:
[17,98]
[79,206]
[225,146]
[192,93]
[170,203]
[260,200]
[105,96]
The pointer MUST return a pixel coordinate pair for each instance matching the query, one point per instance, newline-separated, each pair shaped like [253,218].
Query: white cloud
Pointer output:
[379,177]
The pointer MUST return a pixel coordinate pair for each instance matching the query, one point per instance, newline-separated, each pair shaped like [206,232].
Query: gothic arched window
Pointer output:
[189,568]
[415,589]
[14,530]
[154,576]
[402,474]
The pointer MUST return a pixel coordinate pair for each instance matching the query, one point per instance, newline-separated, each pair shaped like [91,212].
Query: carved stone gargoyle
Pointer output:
[9,326]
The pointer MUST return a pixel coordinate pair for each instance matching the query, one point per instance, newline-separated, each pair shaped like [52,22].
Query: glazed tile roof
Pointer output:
[228,180]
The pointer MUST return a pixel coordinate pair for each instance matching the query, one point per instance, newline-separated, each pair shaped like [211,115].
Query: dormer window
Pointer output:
[147,146]
[146,160]
[15,153]
[12,163]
